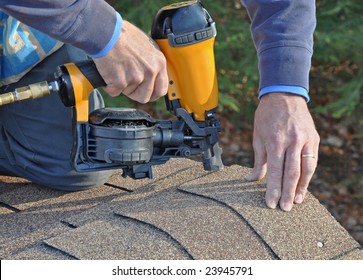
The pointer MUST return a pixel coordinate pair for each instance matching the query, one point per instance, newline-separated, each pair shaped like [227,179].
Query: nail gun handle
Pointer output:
[89,70]
[76,81]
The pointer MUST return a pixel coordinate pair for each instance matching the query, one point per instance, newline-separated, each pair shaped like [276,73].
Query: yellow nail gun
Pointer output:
[129,138]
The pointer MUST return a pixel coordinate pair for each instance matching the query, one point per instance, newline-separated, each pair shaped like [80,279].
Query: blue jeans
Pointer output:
[36,135]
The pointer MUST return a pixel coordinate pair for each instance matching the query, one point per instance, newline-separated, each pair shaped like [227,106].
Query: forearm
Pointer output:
[90,25]
[282,31]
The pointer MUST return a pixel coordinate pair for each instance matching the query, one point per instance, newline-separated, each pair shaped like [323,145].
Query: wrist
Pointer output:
[282,101]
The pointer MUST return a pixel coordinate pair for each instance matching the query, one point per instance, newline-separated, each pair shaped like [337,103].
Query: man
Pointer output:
[285,140]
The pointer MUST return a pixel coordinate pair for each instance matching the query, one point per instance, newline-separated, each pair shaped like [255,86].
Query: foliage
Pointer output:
[337,74]
[338,57]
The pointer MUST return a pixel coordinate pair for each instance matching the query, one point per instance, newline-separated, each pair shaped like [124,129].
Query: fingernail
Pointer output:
[286,206]
[299,198]
[271,204]
[248,178]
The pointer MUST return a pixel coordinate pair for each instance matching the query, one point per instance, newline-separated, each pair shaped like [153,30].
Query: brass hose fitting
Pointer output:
[32,91]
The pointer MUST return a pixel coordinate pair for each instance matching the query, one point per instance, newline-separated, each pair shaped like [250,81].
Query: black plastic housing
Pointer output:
[170,23]
[120,135]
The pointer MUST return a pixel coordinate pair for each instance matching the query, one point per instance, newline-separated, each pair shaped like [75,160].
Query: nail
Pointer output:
[250,178]
[271,204]
[286,206]
[299,198]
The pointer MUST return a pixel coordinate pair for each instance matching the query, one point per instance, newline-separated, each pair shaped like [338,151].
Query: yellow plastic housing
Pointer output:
[192,76]
[81,90]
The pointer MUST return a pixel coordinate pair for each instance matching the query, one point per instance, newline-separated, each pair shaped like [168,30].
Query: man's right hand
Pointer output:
[134,67]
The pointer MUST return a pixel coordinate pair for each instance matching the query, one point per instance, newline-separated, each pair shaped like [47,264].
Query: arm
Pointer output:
[282,32]
[283,129]
[95,27]
[69,21]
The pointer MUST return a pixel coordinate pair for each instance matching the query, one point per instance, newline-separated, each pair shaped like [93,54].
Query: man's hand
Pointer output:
[286,144]
[135,67]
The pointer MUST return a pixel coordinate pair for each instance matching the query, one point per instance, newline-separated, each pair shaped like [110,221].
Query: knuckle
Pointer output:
[143,95]
[149,72]
[274,173]
[273,191]
[140,98]
[135,78]
[292,173]
[112,91]
[295,137]
[275,138]
[143,101]
[159,94]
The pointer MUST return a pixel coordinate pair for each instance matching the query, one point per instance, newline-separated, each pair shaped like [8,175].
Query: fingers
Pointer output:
[149,89]
[292,173]
[288,172]
[271,160]
[140,86]
[160,87]
[289,175]
[275,167]
[284,130]
[308,165]
[135,67]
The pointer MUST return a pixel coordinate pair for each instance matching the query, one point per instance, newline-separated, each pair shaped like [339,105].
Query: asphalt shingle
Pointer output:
[38,210]
[183,213]
[41,252]
[307,232]
[168,176]
[117,239]
[28,244]
[206,229]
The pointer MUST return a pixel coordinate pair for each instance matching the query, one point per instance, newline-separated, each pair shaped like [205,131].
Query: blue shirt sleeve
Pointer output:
[297,90]
[113,40]
[91,26]
[282,31]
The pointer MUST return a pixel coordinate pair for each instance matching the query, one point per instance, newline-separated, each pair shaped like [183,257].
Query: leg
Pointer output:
[36,135]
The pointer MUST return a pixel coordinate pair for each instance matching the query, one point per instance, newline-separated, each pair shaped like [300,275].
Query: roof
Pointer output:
[183,213]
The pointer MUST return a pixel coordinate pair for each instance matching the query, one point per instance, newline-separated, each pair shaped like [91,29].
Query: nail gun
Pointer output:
[129,138]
